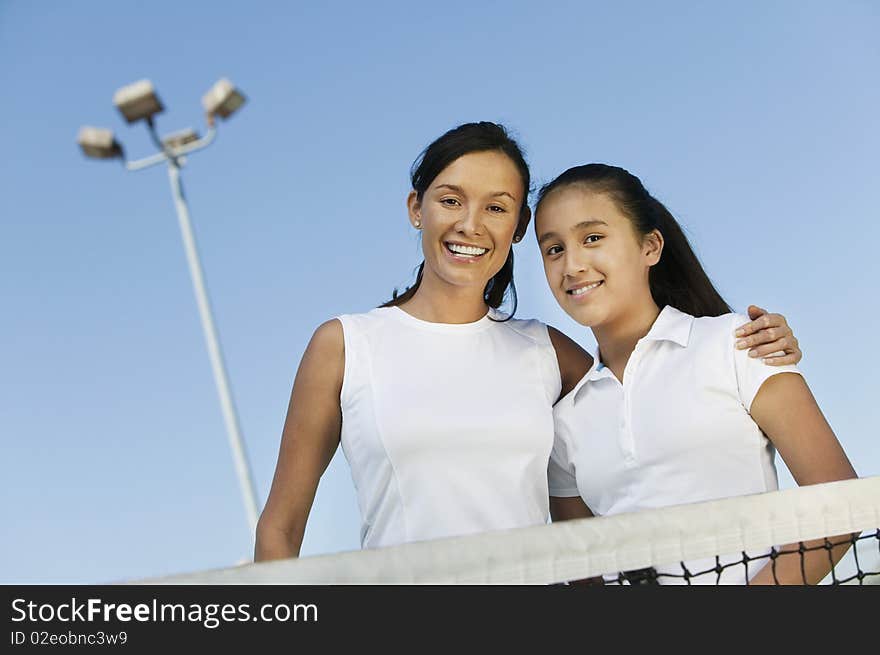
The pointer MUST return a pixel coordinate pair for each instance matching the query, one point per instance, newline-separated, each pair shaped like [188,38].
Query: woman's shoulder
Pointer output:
[333,333]
[370,319]
[328,337]
[539,331]
[376,313]
[531,328]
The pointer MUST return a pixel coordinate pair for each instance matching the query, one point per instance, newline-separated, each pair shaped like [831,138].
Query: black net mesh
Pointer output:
[853,559]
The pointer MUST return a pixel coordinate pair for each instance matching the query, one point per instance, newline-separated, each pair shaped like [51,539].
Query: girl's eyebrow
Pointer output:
[458,189]
[580,226]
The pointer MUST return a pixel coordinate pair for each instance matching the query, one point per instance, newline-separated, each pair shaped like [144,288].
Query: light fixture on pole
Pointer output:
[139,101]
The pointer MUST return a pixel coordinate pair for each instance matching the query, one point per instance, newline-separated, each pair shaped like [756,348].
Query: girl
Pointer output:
[443,406]
[670,412]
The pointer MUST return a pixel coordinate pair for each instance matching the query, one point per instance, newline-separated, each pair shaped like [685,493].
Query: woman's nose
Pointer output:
[471,222]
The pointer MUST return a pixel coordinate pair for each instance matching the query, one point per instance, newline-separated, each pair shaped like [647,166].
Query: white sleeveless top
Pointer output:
[447,428]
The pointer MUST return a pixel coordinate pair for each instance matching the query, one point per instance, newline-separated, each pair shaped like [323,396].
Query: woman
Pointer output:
[443,405]
[669,412]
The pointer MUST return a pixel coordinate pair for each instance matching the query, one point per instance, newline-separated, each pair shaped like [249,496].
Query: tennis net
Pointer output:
[792,532]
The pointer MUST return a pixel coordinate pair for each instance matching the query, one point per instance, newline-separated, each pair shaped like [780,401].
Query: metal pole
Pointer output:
[229,416]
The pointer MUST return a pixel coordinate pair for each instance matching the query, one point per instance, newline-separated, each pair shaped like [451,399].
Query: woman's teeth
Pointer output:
[466,251]
[582,290]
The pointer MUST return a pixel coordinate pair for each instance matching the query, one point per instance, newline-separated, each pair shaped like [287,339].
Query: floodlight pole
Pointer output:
[230,417]
[176,160]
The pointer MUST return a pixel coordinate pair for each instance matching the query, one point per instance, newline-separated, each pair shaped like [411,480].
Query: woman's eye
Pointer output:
[452,202]
[496,209]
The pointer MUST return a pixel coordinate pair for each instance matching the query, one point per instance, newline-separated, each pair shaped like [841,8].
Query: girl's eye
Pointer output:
[592,238]
[554,250]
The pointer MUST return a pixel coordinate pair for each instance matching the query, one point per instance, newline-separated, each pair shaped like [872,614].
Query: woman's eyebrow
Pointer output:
[580,226]
[458,189]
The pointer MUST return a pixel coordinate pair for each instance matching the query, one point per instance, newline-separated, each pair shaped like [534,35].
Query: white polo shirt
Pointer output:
[677,430]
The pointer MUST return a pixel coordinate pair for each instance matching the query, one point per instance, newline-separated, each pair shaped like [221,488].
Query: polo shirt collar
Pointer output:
[597,371]
[670,325]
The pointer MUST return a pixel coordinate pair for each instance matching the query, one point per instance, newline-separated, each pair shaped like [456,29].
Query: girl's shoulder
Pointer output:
[717,328]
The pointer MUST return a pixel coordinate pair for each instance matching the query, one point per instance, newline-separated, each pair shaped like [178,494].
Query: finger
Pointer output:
[755,311]
[790,358]
[760,323]
[779,346]
[774,320]
[746,329]
[765,335]
[789,340]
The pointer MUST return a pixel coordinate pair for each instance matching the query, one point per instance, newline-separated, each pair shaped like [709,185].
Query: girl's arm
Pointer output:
[308,442]
[785,410]
[768,334]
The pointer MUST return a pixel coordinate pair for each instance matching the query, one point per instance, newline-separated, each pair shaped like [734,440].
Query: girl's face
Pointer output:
[596,264]
[468,216]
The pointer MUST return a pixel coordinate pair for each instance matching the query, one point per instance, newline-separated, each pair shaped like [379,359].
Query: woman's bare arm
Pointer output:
[574,361]
[308,441]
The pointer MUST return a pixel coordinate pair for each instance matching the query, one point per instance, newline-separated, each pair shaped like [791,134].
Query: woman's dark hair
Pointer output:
[678,279]
[459,141]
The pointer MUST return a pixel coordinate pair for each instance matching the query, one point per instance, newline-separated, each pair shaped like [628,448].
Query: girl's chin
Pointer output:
[586,316]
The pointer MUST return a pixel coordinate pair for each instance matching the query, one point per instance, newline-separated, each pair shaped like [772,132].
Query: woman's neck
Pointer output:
[617,339]
[438,302]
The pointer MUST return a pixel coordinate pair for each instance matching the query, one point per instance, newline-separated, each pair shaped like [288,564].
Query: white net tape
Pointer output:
[583,548]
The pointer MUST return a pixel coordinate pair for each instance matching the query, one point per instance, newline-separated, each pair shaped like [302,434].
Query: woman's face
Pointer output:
[468,216]
[595,263]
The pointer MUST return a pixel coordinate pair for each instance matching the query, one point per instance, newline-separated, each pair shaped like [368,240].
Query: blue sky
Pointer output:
[756,123]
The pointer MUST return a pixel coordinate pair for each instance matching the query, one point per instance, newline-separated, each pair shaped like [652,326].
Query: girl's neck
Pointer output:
[438,302]
[617,339]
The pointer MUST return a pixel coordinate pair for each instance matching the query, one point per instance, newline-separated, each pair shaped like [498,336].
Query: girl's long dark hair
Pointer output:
[678,279]
[459,141]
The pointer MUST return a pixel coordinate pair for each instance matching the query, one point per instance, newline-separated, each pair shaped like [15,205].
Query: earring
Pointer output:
[418,224]
[516,238]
